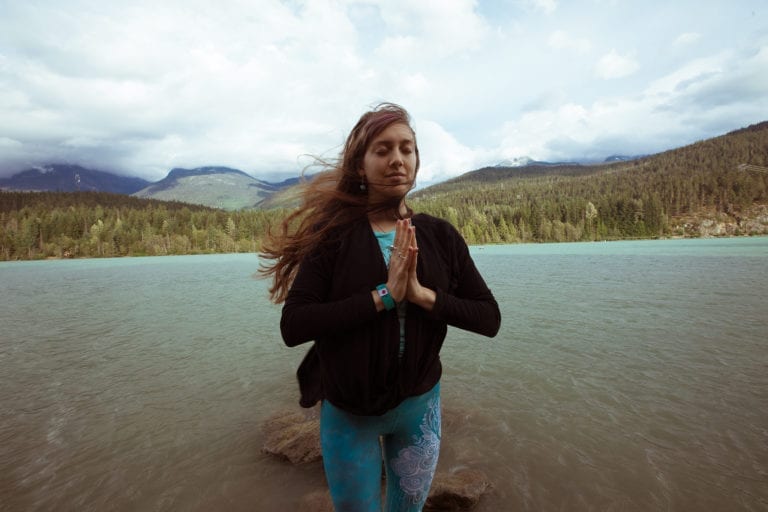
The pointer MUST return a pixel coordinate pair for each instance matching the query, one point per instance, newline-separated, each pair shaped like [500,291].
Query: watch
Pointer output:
[386,297]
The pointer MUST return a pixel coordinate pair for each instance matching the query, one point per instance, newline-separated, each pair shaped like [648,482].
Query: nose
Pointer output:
[397,160]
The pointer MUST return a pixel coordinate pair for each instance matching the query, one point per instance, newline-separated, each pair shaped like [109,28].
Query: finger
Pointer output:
[405,241]
[414,258]
[402,241]
[397,233]
[412,237]
[398,260]
[396,242]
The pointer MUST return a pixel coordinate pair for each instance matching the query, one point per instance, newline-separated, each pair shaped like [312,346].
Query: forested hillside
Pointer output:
[681,192]
[713,187]
[95,224]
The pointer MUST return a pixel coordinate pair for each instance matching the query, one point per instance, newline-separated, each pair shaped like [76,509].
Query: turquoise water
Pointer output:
[626,376]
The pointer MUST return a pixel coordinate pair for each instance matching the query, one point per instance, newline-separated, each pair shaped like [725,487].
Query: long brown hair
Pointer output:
[331,199]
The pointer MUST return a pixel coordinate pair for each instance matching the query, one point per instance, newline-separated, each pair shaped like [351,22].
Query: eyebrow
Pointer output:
[389,142]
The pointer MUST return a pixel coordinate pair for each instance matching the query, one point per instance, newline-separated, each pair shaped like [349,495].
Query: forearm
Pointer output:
[377,301]
[479,314]
[304,321]
[424,298]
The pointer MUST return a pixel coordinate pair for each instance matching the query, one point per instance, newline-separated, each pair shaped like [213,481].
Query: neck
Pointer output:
[384,220]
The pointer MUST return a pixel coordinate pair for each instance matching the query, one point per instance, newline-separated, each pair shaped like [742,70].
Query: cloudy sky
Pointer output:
[138,88]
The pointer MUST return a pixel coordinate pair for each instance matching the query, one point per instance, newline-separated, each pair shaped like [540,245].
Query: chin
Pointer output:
[390,193]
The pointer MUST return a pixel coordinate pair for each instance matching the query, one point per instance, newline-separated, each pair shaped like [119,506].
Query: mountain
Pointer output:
[757,127]
[622,158]
[515,162]
[525,161]
[497,173]
[217,187]
[714,187]
[71,178]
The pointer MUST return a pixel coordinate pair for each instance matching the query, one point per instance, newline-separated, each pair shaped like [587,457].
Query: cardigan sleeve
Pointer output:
[471,306]
[307,314]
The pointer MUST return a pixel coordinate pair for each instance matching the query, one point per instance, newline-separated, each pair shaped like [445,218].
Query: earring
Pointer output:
[362,184]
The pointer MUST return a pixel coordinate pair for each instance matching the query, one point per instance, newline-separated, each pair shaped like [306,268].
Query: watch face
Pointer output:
[383,292]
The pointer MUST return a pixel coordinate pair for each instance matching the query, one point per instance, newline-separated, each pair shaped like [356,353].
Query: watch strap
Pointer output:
[386,297]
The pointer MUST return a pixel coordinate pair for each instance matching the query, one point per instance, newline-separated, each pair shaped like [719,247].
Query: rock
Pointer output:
[293,436]
[454,417]
[317,501]
[460,490]
[457,491]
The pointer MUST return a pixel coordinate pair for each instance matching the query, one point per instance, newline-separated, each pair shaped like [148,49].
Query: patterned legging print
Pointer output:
[409,436]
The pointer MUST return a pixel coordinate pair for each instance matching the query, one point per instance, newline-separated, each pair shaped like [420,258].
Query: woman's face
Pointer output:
[389,165]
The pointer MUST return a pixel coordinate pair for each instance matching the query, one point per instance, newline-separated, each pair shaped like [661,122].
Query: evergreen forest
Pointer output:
[720,180]
[99,224]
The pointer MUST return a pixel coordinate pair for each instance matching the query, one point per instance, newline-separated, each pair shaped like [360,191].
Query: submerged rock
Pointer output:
[460,490]
[293,436]
[453,492]
[317,501]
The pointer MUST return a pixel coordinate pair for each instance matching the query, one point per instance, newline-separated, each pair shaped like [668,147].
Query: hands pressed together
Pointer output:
[402,282]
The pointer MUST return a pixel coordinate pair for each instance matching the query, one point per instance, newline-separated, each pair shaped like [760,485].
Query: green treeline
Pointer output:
[93,224]
[646,198]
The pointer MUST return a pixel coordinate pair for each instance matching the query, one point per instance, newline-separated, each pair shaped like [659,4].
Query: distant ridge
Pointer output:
[528,162]
[71,178]
[713,187]
[214,186]
[515,162]
[622,158]
[232,189]
[177,173]
[751,128]
[500,173]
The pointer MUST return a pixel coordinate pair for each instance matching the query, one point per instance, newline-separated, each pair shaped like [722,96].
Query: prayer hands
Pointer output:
[402,282]
[401,258]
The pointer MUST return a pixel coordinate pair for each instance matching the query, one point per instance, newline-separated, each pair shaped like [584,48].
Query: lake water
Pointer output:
[626,376]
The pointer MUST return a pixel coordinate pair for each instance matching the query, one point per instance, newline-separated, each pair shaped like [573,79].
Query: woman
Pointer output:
[374,286]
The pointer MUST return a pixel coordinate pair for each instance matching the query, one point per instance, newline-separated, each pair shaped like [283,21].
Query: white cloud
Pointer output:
[420,32]
[613,65]
[201,87]
[417,85]
[546,6]
[700,99]
[562,40]
[5,142]
[687,38]
[442,156]
[689,72]
[144,87]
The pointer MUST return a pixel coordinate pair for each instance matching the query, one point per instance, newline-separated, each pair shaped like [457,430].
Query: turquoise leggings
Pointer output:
[352,454]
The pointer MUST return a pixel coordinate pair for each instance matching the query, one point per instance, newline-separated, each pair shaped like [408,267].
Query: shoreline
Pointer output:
[474,246]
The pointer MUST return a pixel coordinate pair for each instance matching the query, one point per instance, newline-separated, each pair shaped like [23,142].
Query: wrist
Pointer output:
[425,298]
[386,297]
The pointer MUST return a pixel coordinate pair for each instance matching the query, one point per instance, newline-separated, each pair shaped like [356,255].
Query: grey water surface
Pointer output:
[626,376]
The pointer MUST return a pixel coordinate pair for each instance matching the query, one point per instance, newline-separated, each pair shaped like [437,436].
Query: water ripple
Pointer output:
[628,376]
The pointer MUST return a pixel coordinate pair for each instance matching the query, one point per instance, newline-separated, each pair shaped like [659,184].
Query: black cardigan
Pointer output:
[354,361]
